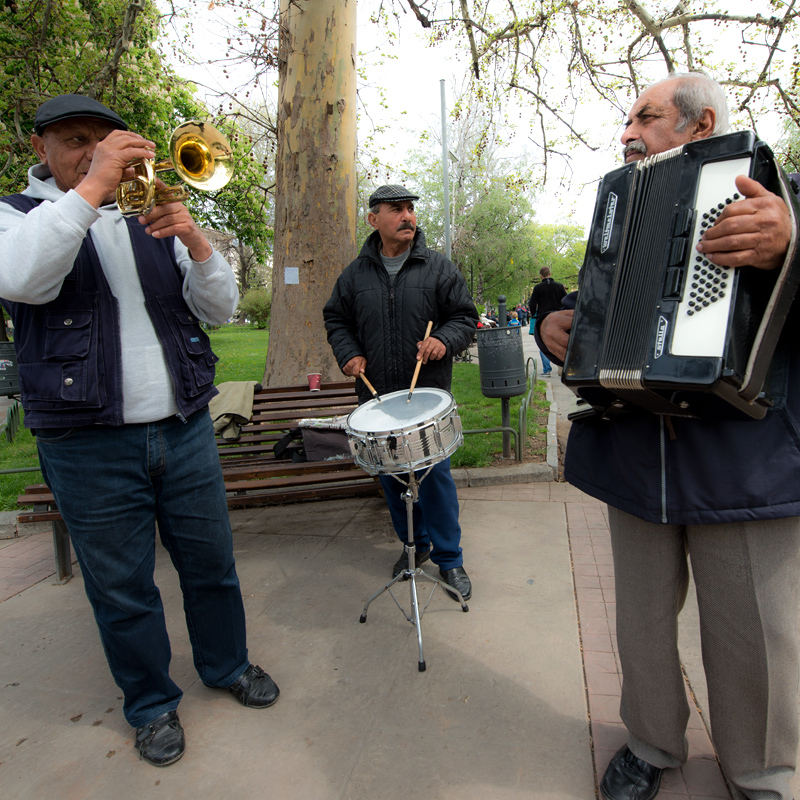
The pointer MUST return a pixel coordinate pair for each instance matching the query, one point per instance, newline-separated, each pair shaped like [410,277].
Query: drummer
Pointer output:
[376,320]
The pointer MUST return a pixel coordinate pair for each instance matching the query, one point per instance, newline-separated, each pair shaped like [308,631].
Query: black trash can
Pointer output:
[9,376]
[501,362]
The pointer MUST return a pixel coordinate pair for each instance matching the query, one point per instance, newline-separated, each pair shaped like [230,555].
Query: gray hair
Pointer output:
[694,92]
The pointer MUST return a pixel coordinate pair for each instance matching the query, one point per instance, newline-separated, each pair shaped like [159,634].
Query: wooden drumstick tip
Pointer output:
[370,387]
[419,362]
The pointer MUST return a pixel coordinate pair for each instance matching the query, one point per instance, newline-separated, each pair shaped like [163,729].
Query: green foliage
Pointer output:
[100,49]
[561,248]
[245,206]
[106,49]
[256,305]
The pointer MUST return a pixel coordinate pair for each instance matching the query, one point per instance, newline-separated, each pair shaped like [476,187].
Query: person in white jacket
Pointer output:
[115,375]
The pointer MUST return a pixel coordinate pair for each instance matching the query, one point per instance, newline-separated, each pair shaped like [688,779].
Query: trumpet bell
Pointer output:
[198,154]
[201,156]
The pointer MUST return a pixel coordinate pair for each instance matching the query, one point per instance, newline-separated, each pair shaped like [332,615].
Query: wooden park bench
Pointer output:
[253,475]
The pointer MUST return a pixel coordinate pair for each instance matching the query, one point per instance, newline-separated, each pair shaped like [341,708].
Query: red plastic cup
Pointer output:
[314,381]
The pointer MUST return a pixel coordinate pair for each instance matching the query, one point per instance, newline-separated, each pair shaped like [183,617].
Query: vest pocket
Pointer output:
[195,357]
[68,335]
[49,386]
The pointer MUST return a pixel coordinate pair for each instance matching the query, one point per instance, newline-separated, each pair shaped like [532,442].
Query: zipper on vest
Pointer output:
[663,444]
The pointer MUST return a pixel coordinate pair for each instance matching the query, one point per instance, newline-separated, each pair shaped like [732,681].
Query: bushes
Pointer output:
[256,305]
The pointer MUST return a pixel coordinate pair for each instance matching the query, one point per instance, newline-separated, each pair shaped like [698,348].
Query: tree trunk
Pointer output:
[315,204]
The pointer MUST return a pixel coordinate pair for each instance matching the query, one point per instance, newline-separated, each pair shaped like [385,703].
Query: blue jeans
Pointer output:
[546,365]
[112,485]
[435,515]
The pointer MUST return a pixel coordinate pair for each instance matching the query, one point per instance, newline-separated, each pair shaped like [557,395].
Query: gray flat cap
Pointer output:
[391,193]
[66,106]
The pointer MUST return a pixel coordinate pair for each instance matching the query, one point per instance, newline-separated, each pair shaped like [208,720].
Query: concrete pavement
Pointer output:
[520,697]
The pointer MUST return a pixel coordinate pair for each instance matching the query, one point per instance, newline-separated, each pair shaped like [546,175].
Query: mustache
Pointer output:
[636,146]
[405,226]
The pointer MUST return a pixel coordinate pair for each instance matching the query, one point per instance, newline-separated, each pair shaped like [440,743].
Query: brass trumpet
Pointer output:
[198,154]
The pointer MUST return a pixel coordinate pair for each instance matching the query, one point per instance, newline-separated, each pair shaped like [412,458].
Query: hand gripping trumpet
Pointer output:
[198,154]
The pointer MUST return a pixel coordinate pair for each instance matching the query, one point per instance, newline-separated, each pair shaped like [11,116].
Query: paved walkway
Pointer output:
[520,697]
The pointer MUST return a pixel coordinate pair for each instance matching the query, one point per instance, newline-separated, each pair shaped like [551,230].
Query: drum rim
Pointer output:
[375,403]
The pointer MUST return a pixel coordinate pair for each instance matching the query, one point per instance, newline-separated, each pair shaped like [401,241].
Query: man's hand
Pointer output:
[554,330]
[355,366]
[430,349]
[111,165]
[174,219]
[751,232]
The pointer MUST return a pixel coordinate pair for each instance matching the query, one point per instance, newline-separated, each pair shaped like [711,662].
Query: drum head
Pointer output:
[393,413]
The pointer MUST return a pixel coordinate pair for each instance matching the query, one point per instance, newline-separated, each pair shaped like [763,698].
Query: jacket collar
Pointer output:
[372,247]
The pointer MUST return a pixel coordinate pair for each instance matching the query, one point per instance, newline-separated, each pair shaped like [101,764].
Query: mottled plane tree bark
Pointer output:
[315,193]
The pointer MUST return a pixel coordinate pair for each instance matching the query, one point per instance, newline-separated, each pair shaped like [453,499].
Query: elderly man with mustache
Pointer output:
[724,493]
[376,320]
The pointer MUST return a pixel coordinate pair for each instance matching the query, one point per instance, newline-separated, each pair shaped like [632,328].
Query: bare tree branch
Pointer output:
[471,37]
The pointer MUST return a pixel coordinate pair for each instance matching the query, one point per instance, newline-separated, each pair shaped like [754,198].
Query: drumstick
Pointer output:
[419,363]
[370,386]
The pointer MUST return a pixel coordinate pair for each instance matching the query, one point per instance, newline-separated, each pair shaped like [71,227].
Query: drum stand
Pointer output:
[411,495]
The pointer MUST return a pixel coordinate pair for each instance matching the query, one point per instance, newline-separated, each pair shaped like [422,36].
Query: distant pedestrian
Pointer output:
[546,297]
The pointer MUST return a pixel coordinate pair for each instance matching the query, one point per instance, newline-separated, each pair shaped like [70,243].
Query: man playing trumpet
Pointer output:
[116,375]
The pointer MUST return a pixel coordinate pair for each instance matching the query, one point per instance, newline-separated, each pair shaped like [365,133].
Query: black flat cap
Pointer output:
[66,106]
[391,193]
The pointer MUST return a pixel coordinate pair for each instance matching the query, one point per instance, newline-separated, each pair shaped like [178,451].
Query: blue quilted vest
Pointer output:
[68,350]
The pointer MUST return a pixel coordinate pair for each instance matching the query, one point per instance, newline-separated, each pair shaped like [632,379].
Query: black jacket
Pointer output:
[711,471]
[546,296]
[366,316]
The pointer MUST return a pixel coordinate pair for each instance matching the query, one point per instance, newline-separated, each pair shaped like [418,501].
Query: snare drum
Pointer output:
[393,435]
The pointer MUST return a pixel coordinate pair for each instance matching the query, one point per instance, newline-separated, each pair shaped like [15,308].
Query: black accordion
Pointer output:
[659,327]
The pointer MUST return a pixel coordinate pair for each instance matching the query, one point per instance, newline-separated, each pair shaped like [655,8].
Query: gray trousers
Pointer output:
[746,576]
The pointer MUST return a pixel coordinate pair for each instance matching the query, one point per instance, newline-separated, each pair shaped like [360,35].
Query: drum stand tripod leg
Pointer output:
[412,572]
[410,495]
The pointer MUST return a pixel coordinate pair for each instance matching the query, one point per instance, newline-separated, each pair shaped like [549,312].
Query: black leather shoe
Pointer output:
[161,742]
[458,579]
[420,557]
[254,688]
[630,778]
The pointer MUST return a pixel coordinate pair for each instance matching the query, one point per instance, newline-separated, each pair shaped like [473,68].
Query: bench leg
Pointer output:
[62,550]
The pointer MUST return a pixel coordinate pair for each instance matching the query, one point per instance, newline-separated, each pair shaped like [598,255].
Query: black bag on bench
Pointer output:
[290,445]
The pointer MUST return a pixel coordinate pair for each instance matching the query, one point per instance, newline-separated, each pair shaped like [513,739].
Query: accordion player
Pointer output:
[659,327]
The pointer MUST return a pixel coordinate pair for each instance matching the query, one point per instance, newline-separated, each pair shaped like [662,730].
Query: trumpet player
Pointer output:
[116,374]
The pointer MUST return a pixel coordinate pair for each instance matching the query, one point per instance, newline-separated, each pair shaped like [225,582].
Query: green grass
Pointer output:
[477,411]
[242,354]
[16,455]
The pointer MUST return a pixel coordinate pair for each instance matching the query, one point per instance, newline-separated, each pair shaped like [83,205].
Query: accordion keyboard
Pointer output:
[701,324]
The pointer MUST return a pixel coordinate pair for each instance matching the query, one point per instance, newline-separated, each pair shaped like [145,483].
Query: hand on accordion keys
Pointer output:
[753,232]
[554,332]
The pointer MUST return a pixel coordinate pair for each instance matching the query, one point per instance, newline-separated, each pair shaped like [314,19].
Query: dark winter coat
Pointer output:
[711,471]
[367,316]
[546,296]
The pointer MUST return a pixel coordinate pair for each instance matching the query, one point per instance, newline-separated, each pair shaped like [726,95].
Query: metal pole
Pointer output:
[505,408]
[445,174]
[505,421]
